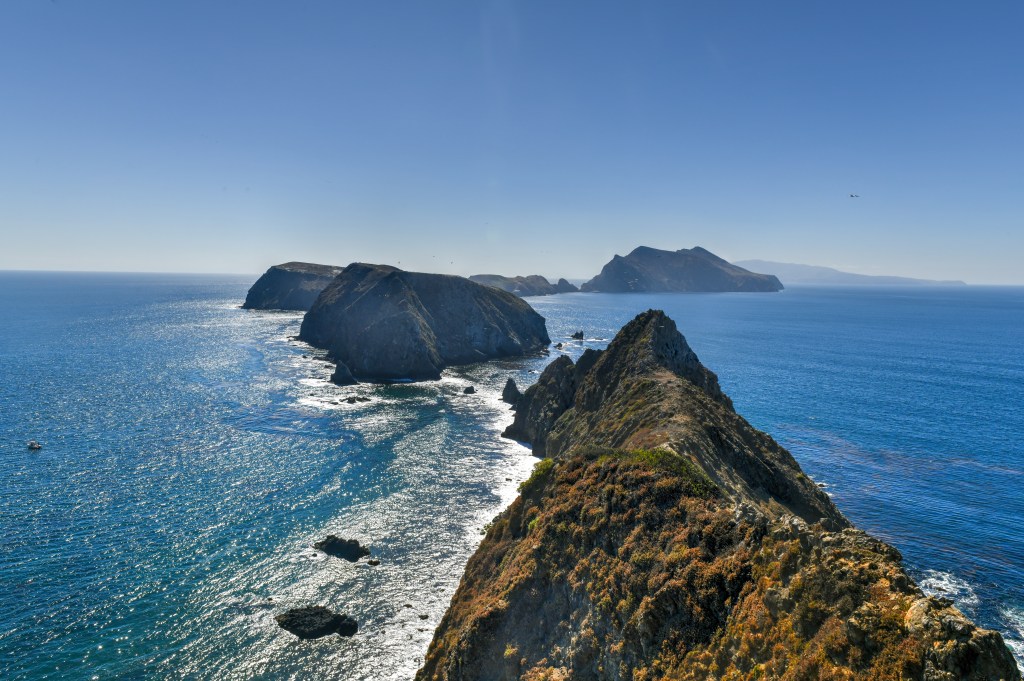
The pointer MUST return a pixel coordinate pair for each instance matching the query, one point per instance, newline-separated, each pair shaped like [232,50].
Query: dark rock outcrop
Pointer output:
[469,390]
[533,285]
[316,622]
[381,323]
[564,286]
[666,538]
[291,286]
[511,392]
[694,270]
[349,549]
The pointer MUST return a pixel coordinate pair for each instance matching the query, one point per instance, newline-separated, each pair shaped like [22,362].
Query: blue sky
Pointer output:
[511,137]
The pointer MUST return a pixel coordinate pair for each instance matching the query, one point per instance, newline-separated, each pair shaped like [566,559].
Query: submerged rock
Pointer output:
[381,323]
[349,549]
[316,622]
[290,286]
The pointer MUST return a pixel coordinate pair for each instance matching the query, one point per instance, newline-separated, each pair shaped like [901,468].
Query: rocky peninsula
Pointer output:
[694,270]
[380,323]
[532,285]
[290,286]
[665,537]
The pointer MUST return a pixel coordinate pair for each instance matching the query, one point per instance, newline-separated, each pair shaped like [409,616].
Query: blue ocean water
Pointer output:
[193,452]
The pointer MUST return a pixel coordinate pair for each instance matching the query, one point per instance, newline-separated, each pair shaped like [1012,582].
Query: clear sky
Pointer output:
[540,136]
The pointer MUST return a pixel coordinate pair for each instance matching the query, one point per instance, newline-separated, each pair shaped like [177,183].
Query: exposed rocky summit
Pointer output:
[666,538]
[533,285]
[380,323]
[316,622]
[349,549]
[694,270]
[291,286]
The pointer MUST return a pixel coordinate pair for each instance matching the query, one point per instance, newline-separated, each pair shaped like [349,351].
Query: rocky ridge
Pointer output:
[380,323]
[532,285]
[694,270]
[290,286]
[665,537]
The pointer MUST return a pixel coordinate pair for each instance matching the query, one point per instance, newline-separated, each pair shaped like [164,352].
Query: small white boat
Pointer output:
[32,444]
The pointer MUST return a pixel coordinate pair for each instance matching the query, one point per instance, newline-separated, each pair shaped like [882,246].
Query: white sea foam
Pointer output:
[947,585]
[1013,632]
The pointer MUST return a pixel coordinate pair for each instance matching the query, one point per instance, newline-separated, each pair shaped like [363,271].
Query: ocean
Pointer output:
[193,452]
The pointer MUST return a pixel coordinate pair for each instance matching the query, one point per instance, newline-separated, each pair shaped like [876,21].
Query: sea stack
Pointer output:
[694,270]
[290,286]
[380,323]
[664,537]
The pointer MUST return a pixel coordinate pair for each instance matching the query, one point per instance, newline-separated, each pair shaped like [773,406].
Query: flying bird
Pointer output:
[854,196]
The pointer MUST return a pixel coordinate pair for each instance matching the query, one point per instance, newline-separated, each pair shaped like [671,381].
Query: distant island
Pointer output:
[532,285]
[380,323]
[290,286]
[694,270]
[663,537]
[795,274]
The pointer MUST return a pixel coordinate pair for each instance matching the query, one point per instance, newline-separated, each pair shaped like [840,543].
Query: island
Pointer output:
[663,537]
[694,270]
[532,285]
[381,323]
[815,275]
[290,286]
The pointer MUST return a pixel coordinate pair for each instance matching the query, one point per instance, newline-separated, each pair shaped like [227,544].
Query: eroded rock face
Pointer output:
[316,622]
[665,537]
[381,323]
[510,393]
[290,286]
[686,270]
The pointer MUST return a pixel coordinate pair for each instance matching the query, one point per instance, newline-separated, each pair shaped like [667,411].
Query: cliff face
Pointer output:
[382,323]
[665,537]
[291,286]
[533,285]
[686,270]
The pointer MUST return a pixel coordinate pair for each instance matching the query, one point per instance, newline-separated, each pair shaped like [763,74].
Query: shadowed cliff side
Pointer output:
[290,286]
[383,323]
[665,537]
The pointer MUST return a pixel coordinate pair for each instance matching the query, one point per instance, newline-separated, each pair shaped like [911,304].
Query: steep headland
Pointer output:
[381,323]
[532,285]
[815,275]
[290,286]
[665,537]
[693,270]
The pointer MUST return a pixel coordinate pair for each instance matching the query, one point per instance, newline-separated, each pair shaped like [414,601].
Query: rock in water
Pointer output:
[511,392]
[666,538]
[385,324]
[564,286]
[685,270]
[577,336]
[291,286]
[469,390]
[349,549]
[533,285]
[315,622]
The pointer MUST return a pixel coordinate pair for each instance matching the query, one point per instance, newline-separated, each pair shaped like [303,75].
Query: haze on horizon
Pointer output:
[511,137]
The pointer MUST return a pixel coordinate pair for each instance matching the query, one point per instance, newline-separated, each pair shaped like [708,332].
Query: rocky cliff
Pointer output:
[693,270]
[533,285]
[291,286]
[382,323]
[666,538]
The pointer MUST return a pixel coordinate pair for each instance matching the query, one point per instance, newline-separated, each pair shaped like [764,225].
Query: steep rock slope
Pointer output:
[686,270]
[290,286]
[383,323]
[666,538]
[533,285]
